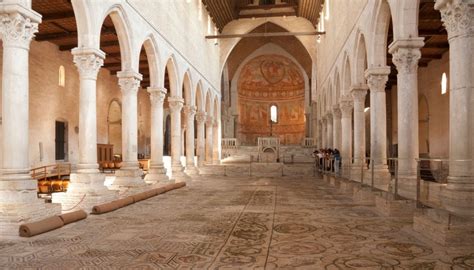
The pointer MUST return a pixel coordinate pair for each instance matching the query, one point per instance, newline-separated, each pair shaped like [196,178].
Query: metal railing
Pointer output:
[229,143]
[429,177]
[309,143]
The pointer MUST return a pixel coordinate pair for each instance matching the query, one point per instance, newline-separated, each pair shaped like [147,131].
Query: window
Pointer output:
[274,114]
[444,84]
[327,11]
[62,76]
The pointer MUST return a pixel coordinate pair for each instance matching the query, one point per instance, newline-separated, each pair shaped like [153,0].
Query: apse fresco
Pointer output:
[271,80]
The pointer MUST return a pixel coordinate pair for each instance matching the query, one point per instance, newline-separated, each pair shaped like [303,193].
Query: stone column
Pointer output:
[201,152]
[319,138]
[209,141]
[346,122]
[336,112]
[190,112]
[86,187]
[329,130]
[358,95]
[18,199]
[176,105]
[406,54]
[377,79]
[130,174]
[324,140]
[216,142]
[157,171]
[457,16]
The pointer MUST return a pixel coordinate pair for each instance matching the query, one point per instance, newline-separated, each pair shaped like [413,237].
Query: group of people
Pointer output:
[328,159]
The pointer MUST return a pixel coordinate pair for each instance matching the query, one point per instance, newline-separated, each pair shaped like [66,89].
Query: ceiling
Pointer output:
[436,38]
[223,12]
[59,27]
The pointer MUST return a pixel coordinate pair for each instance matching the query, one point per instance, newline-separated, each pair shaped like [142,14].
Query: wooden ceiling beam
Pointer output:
[112,43]
[68,35]
[268,15]
[55,16]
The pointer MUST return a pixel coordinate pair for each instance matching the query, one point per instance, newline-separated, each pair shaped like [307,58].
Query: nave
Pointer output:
[239,222]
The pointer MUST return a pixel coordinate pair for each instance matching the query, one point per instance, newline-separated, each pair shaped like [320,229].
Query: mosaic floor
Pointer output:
[237,223]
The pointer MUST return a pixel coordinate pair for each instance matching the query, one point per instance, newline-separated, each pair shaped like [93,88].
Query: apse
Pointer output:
[271,81]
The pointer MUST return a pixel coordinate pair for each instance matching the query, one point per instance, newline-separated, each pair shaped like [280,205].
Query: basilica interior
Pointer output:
[239,134]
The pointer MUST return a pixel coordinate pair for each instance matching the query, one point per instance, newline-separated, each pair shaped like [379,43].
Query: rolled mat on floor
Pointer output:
[73,216]
[42,226]
[106,207]
[144,195]
[169,187]
[111,206]
[126,201]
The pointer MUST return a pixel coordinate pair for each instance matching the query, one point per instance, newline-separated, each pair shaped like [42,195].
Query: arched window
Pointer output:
[444,84]
[274,114]
[327,13]
[62,77]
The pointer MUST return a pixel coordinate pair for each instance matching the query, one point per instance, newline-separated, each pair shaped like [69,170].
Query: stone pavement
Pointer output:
[237,223]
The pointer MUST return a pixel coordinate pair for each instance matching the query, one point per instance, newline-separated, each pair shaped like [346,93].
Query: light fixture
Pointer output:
[367,109]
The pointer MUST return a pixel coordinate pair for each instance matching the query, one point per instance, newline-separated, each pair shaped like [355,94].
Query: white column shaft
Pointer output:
[359,125]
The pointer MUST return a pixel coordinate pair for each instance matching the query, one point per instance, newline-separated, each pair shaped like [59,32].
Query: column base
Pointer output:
[126,179]
[460,202]
[382,177]
[407,186]
[191,170]
[359,174]
[388,205]
[84,192]
[156,175]
[178,174]
[444,228]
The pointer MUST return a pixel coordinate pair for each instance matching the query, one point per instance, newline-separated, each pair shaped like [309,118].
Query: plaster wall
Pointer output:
[184,26]
[338,30]
[49,102]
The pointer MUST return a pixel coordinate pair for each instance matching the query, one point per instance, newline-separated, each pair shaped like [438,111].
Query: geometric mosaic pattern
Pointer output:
[231,223]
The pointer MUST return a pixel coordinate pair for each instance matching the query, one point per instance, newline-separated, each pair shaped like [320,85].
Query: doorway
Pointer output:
[61,140]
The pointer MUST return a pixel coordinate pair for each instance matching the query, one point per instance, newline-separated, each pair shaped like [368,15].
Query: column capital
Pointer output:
[201,117]
[129,81]
[336,111]
[457,16]
[189,111]
[346,106]
[209,120]
[358,93]
[329,117]
[406,54]
[377,78]
[176,104]
[18,26]
[157,95]
[88,61]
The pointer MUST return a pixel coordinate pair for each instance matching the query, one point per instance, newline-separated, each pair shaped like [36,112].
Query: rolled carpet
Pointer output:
[125,201]
[144,195]
[169,187]
[73,216]
[105,208]
[42,226]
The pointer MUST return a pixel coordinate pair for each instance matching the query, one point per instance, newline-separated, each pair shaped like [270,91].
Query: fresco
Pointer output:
[271,80]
